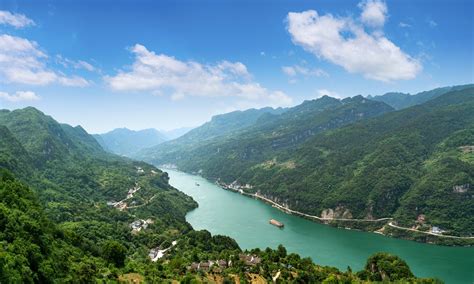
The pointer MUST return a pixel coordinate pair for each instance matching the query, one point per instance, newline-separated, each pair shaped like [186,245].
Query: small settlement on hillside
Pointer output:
[218,265]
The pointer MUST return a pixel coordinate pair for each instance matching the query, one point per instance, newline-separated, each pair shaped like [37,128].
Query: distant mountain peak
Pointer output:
[124,141]
[403,100]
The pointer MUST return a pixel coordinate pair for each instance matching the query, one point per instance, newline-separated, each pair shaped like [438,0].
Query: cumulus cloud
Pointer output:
[19,96]
[22,61]
[374,12]
[344,41]
[163,74]
[295,70]
[15,20]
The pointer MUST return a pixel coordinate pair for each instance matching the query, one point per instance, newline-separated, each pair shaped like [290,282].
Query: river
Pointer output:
[246,220]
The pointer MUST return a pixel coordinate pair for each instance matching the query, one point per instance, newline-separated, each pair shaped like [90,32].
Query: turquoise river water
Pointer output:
[246,220]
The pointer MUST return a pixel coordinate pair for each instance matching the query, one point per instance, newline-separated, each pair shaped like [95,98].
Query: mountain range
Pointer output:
[126,142]
[356,158]
[404,100]
[69,213]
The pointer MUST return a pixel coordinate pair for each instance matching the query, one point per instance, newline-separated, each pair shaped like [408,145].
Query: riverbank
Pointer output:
[432,238]
[223,212]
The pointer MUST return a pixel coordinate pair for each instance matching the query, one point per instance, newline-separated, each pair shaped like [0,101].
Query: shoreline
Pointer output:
[324,220]
[327,221]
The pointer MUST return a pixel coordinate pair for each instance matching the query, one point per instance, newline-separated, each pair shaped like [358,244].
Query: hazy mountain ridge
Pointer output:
[219,126]
[404,100]
[125,142]
[271,132]
[175,133]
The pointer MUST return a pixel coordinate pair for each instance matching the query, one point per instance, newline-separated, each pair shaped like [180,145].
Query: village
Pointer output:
[122,204]
[234,186]
[157,253]
[218,265]
[139,225]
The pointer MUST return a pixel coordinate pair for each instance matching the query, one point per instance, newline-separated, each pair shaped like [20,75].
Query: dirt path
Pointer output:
[145,203]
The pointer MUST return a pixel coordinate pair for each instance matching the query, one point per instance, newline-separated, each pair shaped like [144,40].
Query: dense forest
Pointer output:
[72,213]
[354,158]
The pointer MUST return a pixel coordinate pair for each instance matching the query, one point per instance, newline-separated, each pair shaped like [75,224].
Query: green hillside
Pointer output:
[401,164]
[219,126]
[272,133]
[56,225]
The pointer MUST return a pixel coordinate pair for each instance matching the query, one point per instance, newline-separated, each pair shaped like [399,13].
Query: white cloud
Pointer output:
[19,96]
[325,92]
[23,62]
[73,81]
[294,70]
[163,74]
[79,64]
[374,12]
[288,70]
[345,42]
[432,23]
[404,25]
[15,20]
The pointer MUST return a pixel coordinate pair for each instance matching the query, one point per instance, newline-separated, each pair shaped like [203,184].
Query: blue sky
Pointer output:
[168,64]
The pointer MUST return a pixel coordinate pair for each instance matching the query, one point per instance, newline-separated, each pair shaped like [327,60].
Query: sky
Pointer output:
[171,64]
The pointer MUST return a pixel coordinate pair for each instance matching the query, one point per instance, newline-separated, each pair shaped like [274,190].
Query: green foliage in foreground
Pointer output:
[34,250]
[56,226]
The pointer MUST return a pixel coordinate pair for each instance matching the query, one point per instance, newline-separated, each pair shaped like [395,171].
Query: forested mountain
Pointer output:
[271,133]
[403,100]
[125,142]
[404,164]
[58,224]
[219,126]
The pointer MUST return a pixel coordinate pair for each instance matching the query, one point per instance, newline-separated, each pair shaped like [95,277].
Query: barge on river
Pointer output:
[276,223]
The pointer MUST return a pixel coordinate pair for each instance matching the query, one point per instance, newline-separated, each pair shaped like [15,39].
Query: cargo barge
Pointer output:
[276,223]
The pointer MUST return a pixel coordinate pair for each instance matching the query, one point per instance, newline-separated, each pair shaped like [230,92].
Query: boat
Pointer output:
[276,223]
[197,184]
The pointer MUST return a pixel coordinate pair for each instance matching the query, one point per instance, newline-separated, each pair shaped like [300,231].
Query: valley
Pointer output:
[341,166]
[246,220]
[59,220]
[237,142]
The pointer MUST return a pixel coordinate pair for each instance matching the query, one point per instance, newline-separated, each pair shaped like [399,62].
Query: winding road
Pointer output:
[428,233]
[391,224]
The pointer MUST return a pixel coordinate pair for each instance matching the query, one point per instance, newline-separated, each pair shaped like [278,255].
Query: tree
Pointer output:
[385,267]
[114,252]
[281,251]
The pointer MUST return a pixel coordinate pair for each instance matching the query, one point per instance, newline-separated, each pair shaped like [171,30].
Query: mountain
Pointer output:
[219,126]
[58,224]
[270,134]
[403,100]
[354,159]
[13,155]
[73,179]
[175,133]
[125,142]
